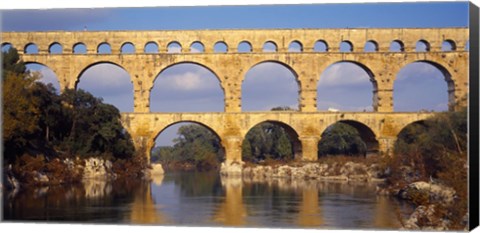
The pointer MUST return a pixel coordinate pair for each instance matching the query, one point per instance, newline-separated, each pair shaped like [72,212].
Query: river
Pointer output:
[206,199]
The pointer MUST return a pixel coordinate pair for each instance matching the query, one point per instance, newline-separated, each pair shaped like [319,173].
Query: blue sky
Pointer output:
[190,88]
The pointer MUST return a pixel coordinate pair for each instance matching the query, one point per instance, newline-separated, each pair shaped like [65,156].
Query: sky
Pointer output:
[192,88]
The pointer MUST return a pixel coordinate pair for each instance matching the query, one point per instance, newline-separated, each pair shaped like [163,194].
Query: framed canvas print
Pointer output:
[327,116]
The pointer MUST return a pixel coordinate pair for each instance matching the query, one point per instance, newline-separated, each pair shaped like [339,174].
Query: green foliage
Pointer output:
[341,139]
[194,145]
[38,121]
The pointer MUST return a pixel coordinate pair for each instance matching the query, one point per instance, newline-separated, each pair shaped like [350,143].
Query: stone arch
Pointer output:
[174,47]
[366,133]
[446,75]
[55,48]
[363,67]
[371,46]
[197,47]
[31,48]
[276,62]
[55,81]
[220,47]
[199,64]
[404,127]
[449,45]
[295,46]
[159,130]
[79,48]
[127,48]
[150,47]
[320,46]
[422,46]
[270,47]
[6,46]
[346,46]
[104,48]
[291,132]
[244,47]
[397,46]
[124,102]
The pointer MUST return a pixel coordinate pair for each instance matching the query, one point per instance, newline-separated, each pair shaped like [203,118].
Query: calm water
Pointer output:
[204,199]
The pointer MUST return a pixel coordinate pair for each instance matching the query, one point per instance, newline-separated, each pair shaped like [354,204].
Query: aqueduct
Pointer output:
[230,65]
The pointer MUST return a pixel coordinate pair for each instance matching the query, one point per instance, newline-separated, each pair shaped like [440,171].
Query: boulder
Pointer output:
[231,169]
[435,192]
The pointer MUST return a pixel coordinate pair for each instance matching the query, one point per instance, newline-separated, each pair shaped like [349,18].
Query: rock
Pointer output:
[94,169]
[436,192]
[423,218]
[40,177]
[157,169]
[231,169]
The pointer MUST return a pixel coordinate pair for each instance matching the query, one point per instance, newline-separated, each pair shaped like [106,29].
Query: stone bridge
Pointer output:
[243,49]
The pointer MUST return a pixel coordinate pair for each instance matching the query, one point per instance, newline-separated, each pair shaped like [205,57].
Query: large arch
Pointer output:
[166,134]
[347,86]
[47,75]
[364,131]
[194,86]
[110,81]
[424,93]
[264,79]
[293,137]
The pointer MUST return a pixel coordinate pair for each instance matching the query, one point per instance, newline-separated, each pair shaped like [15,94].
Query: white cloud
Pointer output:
[343,74]
[188,81]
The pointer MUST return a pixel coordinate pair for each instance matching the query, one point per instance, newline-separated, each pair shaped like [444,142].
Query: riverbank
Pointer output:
[40,171]
[433,201]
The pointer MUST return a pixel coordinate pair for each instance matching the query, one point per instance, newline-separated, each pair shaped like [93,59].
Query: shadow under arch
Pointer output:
[368,71]
[248,71]
[190,122]
[412,128]
[446,76]
[293,137]
[53,79]
[193,64]
[365,132]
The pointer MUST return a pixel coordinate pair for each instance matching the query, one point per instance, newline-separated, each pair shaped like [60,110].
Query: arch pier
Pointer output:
[315,50]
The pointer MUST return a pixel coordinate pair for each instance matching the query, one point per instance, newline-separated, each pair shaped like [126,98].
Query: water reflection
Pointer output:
[205,199]
[232,211]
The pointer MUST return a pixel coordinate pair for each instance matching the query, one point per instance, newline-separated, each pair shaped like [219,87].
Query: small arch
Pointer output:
[174,47]
[270,47]
[151,47]
[371,46]
[397,46]
[31,48]
[346,46]
[320,46]
[79,48]
[220,47]
[449,45]
[127,48]
[104,48]
[165,138]
[6,47]
[367,145]
[295,46]
[274,136]
[55,48]
[197,47]
[422,46]
[244,47]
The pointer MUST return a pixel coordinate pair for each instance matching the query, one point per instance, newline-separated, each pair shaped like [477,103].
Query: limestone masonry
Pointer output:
[379,129]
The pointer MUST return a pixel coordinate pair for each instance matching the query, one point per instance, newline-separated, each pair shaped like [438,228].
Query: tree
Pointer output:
[341,139]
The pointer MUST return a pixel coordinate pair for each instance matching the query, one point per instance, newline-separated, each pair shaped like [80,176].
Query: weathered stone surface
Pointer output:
[423,218]
[94,169]
[231,67]
[435,192]
[231,169]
